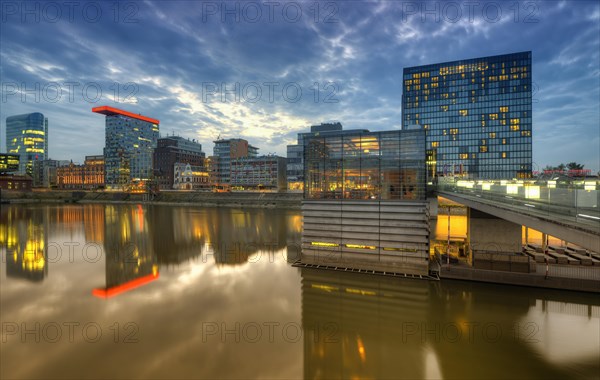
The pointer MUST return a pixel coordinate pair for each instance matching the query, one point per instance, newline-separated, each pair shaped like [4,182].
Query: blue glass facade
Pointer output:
[128,151]
[27,136]
[476,114]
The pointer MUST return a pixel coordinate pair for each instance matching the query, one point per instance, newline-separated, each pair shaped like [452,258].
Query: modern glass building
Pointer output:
[9,163]
[366,165]
[27,136]
[130,140]
[476,114]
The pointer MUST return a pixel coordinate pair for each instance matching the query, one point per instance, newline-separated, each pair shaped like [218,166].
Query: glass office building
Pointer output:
[27,136]
[386,165]
[130,140]
[476,114]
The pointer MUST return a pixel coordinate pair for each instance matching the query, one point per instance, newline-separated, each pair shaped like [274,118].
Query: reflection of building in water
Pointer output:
[178,234]
[24,243]
[364,326]
[234,235]
[228,235]
[93,223]
[353,325]
[130,258]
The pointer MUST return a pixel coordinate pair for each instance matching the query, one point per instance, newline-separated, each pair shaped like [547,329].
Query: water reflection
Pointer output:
[24,243]
[353,325]
[362,326]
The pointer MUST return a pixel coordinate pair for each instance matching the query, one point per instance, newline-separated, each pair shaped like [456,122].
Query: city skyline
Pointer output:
[353,51]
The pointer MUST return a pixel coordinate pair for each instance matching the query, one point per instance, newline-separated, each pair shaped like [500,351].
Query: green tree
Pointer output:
[574,166]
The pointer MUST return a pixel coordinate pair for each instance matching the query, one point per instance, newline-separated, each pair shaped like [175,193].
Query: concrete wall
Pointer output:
[491,234]
[387,236]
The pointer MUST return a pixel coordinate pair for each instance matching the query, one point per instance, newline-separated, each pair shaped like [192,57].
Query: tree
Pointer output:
[574,166]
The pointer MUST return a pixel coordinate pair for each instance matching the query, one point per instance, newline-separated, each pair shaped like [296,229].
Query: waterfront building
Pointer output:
[259,173]
[130,140]
[88,176]
[44,172]
[476,113]
[365,201]
[295,153]
[17,182]
[27,136]
[225,151]
[9,163]
[171,150]
[190,177]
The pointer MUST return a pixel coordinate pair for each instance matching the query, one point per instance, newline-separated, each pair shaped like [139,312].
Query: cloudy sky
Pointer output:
[265,71]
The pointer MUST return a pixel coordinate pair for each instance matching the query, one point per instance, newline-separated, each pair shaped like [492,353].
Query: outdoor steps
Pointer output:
[559,257]
[538,257]
[535,247]
[585,260]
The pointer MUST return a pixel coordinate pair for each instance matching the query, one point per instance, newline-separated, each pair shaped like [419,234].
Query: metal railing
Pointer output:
[579,200]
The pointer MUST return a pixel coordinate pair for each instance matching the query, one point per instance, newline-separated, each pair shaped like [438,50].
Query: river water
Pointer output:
[137,291]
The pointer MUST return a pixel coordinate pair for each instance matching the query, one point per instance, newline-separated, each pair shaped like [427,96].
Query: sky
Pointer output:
[267,70]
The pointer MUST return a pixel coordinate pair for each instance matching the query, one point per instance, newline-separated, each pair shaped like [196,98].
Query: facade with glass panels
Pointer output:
[366,165]
[224,152]
[476,114]
[27,136]
[295,153]
[130,141]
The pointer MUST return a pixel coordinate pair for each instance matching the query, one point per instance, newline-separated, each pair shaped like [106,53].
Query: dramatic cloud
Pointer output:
[267,70]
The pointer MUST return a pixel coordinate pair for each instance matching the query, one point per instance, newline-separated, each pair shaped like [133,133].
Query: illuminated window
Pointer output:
[463,112]
[464,156]
[483,149]
[503,122]
[493,116]
[514,127]
[492,135]
[504,109]
[503,154]
[435,144]
[454,131]
[525,133]
[503,141]
[444,108]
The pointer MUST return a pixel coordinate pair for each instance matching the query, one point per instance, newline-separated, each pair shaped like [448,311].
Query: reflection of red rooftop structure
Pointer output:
[111,111]
[125,287]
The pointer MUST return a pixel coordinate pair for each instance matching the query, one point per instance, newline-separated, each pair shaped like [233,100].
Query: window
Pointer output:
[463,112]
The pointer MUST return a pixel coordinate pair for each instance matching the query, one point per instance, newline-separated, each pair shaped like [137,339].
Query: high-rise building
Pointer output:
[224,152]
[476,114]
[130,140]
[27,136]
[171,150]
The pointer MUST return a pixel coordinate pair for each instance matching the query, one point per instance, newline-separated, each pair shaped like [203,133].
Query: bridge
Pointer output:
[564,208]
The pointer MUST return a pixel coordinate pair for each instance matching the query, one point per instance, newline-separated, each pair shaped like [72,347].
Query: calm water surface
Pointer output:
[136,291]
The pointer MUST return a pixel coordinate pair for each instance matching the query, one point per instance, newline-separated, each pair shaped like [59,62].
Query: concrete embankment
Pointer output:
[205,199]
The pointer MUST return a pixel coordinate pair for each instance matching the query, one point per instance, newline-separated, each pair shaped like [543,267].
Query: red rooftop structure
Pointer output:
[111,111]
